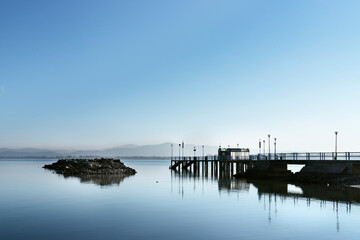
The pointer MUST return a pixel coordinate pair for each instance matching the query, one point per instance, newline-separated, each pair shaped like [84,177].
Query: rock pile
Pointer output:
[102,166]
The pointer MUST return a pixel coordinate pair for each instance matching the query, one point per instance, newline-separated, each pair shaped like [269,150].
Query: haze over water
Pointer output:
[159,204]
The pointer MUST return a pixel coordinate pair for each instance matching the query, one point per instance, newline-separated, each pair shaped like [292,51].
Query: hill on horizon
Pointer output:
[129,150]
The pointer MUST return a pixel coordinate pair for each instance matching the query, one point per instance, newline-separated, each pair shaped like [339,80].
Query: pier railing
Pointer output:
[342,156]
[211,158]
[199,158]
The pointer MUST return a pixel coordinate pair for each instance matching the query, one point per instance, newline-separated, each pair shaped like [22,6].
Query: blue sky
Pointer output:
[93,74]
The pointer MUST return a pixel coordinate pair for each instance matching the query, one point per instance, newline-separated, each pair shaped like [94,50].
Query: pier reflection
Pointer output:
[308,191]
[225,182]
[271,193]
[279,188]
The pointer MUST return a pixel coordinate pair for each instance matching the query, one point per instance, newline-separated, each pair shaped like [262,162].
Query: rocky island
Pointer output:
[101,166]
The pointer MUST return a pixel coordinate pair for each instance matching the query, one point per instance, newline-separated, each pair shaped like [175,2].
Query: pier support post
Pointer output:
[237,168]
[198,168]
[206,169]
[212,168]
[221,167]
[202,168]
[216,168]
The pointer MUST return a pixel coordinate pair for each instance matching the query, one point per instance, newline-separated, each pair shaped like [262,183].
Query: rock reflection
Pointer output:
[101,180]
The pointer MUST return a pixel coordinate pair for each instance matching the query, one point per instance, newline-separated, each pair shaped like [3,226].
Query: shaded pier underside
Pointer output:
[268,168]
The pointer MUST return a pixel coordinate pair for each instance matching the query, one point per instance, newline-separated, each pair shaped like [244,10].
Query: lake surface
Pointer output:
[157,203]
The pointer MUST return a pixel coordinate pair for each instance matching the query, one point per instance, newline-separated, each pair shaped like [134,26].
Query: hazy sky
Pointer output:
[92,74]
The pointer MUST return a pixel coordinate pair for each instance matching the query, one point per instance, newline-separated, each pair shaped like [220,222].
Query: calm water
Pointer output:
[157,204]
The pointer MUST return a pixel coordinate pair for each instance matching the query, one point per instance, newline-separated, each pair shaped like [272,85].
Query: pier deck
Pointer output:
[330,162]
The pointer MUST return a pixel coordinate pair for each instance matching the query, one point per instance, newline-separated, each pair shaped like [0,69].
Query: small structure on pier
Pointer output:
[234,154]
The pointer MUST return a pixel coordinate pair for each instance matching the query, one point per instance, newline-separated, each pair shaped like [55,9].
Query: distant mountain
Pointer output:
[159,150]
[28,153]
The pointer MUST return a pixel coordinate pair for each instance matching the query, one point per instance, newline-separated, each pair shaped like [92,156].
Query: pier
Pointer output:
[230,162]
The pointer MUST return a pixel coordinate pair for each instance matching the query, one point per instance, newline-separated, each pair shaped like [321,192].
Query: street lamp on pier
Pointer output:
[203,152]
[194,152]
[275,148]
[264,147]
[172,151]
[259,146]
[179,151]
[336,133]
[269,145]
[183,146]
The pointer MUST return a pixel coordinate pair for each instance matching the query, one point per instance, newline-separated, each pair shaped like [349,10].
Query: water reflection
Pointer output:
[270,193]
[319,195]
[279,188]
[308,191]
[101,180]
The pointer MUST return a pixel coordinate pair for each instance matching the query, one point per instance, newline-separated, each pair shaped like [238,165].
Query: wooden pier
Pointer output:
[213,167]
[334,163]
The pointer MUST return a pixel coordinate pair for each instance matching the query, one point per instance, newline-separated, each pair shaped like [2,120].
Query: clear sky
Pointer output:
[93,74]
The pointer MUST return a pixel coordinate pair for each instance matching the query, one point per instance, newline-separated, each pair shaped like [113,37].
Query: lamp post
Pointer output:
[259,146]
[274,148]
[194,152]
[179,151]
[264,147]
[203,152]
[336,133]
[269,145]
[183,146]
[172,151]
